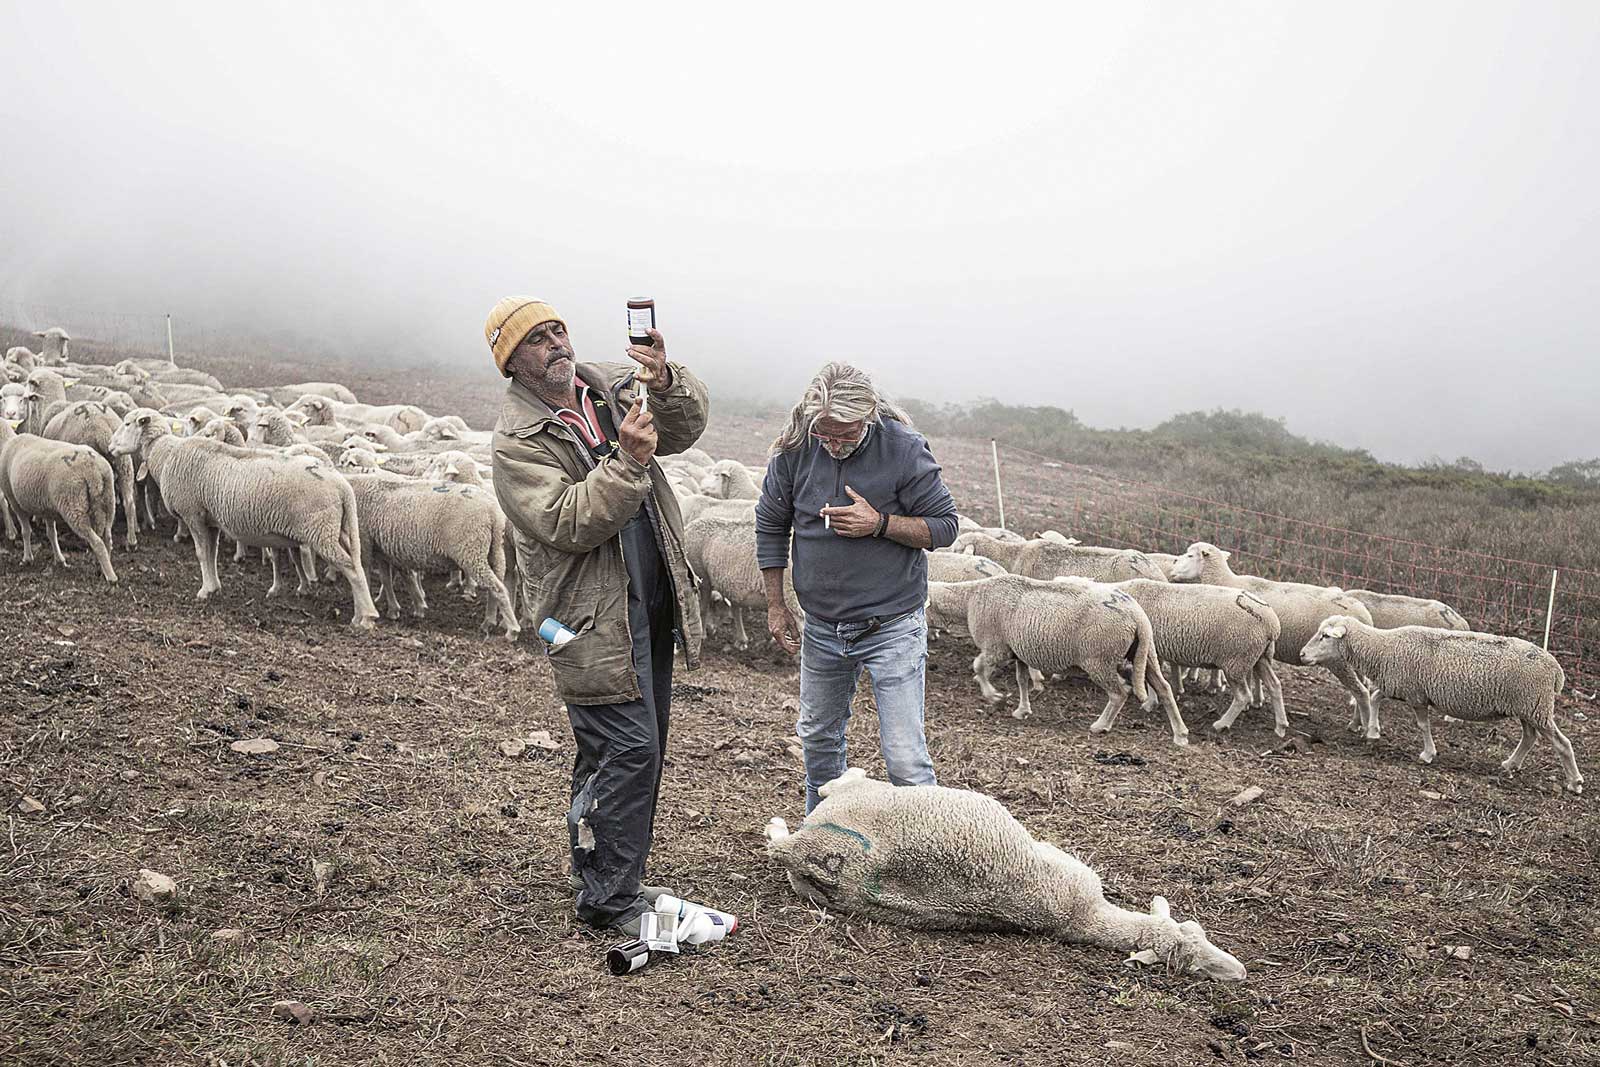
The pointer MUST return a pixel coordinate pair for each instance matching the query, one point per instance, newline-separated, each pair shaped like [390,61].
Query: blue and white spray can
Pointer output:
[555,633]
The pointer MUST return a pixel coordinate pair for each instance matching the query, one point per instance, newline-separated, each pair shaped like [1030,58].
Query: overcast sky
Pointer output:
[1378,220]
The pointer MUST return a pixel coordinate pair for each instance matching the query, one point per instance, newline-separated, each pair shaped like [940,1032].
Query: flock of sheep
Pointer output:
[308,475]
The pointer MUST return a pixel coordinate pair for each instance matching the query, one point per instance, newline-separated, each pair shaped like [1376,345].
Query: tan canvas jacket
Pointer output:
[566,511]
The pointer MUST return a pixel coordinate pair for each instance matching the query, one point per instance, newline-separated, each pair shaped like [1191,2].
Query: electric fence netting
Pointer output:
[1497,594]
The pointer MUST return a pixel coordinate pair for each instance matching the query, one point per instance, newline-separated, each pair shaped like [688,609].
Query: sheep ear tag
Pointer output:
[177,427]
[378,459]
[69,382]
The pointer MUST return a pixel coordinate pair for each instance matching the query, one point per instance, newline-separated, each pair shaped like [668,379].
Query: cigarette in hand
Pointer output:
[827,521]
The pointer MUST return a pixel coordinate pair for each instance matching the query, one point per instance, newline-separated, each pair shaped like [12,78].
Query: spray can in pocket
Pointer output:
[554,633]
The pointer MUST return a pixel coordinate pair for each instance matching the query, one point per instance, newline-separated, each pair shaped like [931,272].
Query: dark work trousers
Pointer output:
[616,776]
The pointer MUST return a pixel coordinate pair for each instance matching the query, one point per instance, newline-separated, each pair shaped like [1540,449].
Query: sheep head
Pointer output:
[316,409]
[1185,948]
[129,369]
[13,403]
[139,427]
[1329,644]
[197,419]
[1203,562]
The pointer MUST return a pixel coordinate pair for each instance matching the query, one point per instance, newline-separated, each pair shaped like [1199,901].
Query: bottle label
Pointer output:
[641,321]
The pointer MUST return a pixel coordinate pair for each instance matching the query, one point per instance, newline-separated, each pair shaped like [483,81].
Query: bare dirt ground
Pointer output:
[442,929]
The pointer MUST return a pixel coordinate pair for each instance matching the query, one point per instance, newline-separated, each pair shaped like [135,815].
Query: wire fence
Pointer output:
[1496,594]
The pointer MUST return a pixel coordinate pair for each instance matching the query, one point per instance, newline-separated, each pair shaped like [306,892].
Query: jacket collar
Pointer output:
[524,412]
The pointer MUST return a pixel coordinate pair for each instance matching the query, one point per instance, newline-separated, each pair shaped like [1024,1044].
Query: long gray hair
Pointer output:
[842,392]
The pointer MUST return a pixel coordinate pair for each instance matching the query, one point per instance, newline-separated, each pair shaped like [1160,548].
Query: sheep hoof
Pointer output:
[1019,714]
[1098,727]
[365,622]
[1575,788]
[1425,757]
[1371,735]
[1180,739]
[204,594]
[776,829]
[1280,730]
[1223,727]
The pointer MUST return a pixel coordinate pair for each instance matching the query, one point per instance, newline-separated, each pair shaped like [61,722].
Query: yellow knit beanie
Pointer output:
[510,321]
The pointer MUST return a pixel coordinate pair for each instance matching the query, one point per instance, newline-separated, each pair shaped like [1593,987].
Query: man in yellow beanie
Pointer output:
[599,542]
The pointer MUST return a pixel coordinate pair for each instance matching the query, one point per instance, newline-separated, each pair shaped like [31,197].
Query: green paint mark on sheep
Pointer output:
[857,836]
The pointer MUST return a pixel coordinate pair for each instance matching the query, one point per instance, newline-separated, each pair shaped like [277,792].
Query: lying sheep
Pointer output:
[1058,625]
[721,549]
[1049,557]
[730,480]
[57,482]
[936,858]
[259,498]
[89,422]
[1300,608]
[1218,627]
[320,411]
[424,528]
[1472,676]
[285,395]
[21,357]
[169,375]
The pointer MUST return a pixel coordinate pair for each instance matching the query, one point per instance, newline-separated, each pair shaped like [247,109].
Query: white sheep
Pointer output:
[1472,676]
[168,375]
[242,410]
[694,505]
[258,497]
[721,549]
[284,395]
[44,394]
[1216,627]
[55,345]
[21,357]
[1054,557]
[274,428]
[57,482]
[320,411]
[457,468]
[1390,610]
[1301,608]
[89,422]
[730,480]
[945,567]
[935,858]
[1058,625]
[422,528]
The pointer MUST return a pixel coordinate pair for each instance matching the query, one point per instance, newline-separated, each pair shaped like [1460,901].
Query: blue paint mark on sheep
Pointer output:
[857,836]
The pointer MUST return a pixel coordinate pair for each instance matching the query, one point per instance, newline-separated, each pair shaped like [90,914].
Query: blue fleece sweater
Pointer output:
[846,579]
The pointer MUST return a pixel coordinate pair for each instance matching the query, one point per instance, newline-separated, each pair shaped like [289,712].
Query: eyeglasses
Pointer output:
[840,439]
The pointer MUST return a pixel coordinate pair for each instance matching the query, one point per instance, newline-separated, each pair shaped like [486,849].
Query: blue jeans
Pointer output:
[831,658]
